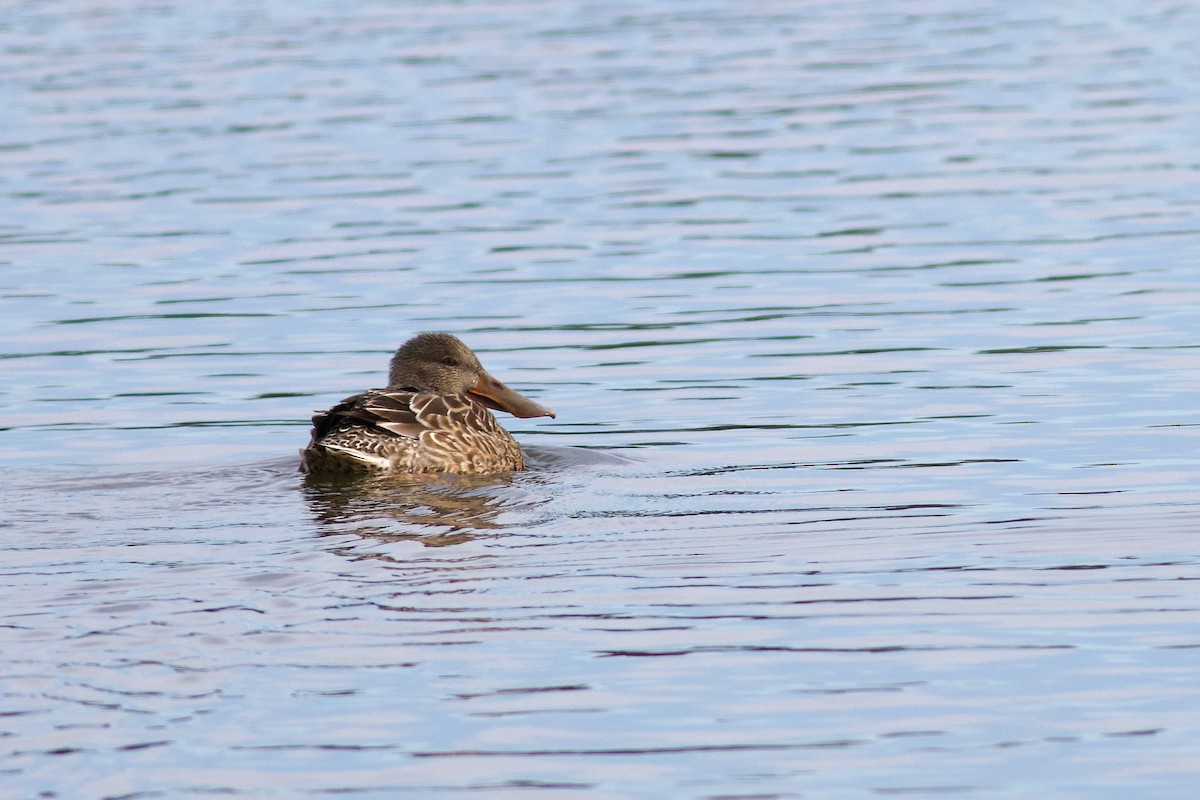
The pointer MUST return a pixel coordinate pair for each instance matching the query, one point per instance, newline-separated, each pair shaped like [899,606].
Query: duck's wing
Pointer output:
[381,411]
[413,431]
[408,414]
[366,431]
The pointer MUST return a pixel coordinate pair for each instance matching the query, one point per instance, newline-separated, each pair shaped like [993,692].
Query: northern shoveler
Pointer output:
[432,417]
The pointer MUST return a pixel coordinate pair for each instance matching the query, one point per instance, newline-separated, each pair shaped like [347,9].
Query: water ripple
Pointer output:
[872,333]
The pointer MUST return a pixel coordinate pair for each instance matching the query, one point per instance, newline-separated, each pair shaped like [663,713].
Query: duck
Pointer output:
[435,415]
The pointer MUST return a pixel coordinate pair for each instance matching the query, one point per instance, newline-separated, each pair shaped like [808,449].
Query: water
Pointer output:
[871,331]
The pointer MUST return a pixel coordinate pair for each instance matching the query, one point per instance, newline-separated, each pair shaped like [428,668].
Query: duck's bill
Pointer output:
[494,394]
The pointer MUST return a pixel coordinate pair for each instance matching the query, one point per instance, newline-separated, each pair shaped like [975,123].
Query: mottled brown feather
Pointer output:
[382,429]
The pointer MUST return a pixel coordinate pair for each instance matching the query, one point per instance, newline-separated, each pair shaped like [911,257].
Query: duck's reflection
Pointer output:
[442,509]
[436,510]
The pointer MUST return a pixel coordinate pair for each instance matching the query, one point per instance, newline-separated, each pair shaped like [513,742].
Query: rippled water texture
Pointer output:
[872,331]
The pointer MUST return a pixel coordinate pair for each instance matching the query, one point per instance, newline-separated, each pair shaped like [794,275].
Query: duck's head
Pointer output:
[439,362]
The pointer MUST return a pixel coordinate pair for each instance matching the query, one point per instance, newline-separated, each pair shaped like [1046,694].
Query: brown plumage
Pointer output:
[432,417]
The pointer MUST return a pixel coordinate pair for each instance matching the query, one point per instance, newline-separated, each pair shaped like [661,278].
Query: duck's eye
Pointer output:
[450,361]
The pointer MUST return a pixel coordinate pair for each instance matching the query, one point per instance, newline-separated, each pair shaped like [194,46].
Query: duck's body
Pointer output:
[432,417]
[409,431]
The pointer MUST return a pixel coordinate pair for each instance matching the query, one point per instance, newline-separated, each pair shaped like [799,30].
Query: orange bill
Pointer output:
[494,394]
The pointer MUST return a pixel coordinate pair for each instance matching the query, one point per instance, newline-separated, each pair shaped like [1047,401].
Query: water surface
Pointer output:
[871,331]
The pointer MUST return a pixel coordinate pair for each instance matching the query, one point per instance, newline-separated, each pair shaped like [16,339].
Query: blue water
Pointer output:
[872,334]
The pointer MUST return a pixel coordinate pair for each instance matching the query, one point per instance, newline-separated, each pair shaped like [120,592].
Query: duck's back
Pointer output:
[409,431]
